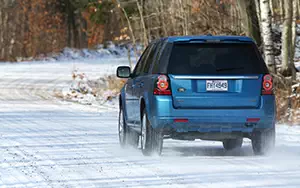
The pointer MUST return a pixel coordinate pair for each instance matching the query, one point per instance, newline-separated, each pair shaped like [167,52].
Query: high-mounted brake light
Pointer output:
[162,86]
[267,85]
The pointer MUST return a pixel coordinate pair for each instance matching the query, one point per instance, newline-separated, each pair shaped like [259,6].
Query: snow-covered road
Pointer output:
[48,143]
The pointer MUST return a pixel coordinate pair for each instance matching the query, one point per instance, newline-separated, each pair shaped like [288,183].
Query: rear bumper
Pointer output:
[163,114]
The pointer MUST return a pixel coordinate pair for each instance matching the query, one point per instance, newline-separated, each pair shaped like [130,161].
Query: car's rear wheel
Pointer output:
[122,128]
[230,144]
[127,137]
[151,140]
[263,142]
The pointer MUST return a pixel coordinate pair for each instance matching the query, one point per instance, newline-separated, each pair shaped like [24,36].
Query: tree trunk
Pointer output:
[140,9]
[298,7]
[287,38]
[258,12]
[5,35]
[12,29]
[266,23]
[70,24]
[281,5]
[272,8]
[1,34]
[294,37]
[249,19]
[131,33]
[183,15]
[162,13]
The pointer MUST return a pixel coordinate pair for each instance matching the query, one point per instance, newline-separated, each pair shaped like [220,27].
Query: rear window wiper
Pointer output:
[229,69]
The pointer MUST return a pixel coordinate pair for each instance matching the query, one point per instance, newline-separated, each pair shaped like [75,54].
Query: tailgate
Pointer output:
[194,92]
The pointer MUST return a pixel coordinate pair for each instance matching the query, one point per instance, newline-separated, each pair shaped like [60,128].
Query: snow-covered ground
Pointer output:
[45,142]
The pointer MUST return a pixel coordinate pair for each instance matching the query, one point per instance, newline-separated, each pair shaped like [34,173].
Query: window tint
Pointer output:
[138,68]
[225,58]
[150,58]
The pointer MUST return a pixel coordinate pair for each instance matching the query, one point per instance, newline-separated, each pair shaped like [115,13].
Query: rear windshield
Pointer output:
[216,58]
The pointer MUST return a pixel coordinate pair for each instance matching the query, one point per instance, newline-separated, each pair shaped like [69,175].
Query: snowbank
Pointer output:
[86,91]
[110,51]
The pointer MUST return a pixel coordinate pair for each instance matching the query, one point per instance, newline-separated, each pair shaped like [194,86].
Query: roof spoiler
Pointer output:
[212,40]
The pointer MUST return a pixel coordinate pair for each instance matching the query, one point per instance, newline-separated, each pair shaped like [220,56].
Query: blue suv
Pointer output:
[198,87]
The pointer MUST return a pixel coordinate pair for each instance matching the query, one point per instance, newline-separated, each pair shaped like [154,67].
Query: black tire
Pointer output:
[122,128]
[231,144]
[151,140]
[263,142]
[127,137]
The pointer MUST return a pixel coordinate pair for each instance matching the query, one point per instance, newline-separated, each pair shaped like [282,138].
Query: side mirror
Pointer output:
[123,72]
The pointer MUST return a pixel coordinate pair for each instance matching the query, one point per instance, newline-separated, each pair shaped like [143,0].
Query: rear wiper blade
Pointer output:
[229,69]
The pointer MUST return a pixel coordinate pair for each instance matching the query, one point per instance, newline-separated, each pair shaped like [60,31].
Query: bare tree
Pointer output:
[287,38]
[4,28]
[266,29]
[184,16]
[294,36]
[281,5]
[272,8]
[258,12]
[1,33]
[141,13]
[250,21]
[131,33]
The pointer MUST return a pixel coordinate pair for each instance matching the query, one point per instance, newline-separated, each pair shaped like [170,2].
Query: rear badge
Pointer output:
[181,89]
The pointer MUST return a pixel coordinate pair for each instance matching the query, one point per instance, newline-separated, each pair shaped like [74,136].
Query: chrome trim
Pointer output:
[215,77]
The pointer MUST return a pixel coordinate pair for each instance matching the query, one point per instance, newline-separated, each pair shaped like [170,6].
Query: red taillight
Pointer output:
[159,92]
[253,120]
[267,85]
[181,120]
[162,86]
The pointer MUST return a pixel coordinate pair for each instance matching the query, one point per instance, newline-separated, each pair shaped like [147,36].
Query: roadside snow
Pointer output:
[110,51]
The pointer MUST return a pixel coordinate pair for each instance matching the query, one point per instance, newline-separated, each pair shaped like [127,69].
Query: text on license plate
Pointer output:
[216,85]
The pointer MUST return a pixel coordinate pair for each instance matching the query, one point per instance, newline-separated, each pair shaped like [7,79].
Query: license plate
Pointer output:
[216,85]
